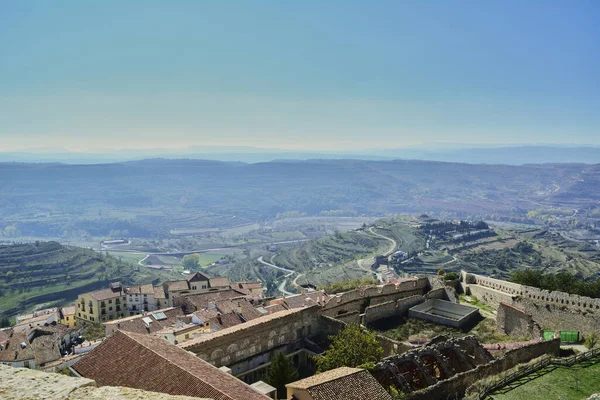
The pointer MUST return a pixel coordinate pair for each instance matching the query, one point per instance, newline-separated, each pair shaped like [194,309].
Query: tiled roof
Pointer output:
[13,352]
[199,301]
[224,321]
[147,289]
[342,383]
[177,285]
[255,322]
[105,294]
[241,306]
[150,363]
[198,276]
[219,282]
[159,292]
[45,349]
[274,308]
[136,323]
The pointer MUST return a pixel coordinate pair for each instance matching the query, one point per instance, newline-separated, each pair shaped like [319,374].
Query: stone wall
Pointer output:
[353,316]
[358,300]
[516,322]
[247,346]
[456,386]
[551,310]
[391,309]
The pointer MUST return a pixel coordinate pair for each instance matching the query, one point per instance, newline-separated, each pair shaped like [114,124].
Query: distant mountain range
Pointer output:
[480,154]
[151,197]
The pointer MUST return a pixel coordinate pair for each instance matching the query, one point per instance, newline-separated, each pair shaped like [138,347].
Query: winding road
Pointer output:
[289,273]
[365,263]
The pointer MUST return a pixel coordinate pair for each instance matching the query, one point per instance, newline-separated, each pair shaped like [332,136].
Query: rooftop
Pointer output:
[166,368]
[342,383]
[255,322]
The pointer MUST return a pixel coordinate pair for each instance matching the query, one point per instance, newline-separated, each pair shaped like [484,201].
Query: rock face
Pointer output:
[27,384]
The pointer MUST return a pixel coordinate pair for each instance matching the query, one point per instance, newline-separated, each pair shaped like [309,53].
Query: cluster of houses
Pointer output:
[149,325]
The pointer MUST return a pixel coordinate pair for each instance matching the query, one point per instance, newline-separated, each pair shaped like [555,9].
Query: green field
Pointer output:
[577,382]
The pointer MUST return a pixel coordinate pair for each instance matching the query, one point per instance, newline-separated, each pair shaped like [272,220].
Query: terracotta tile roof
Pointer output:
[105,294]
[241,306]
[45,349]
[13,352]
[147,289]
[200,301]
[255,322]
[5,334]
[177,285]
[150,363]
[137,325]
[342,383]
[159,292]
[198,276]
[224,321]
[219,282]
[274,308]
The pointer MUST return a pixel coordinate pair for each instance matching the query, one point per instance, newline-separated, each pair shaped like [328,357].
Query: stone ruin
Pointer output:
[440,359]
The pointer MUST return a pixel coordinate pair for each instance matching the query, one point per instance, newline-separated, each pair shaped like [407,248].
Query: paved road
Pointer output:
[392,241]
[365,263]
[289,273]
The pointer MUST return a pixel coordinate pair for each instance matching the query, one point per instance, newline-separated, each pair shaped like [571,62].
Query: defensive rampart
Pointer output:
[551,310]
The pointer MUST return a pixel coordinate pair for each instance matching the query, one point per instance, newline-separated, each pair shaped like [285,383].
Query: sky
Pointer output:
[318,75]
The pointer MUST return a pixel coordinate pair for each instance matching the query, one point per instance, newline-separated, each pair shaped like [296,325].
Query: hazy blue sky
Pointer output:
[298,74]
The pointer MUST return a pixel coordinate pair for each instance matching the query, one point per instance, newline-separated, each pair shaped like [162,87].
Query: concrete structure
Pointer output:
[340,383]
[445,313]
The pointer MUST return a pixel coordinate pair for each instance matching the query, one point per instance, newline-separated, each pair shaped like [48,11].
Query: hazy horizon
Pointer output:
[301,76]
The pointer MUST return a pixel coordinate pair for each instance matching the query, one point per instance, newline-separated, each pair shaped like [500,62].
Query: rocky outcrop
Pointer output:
[27,384]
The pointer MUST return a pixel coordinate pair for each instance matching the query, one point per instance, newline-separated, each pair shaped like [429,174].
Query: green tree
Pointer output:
[4,322]
[352,347]
[281,372]
[191,261]
[591,340]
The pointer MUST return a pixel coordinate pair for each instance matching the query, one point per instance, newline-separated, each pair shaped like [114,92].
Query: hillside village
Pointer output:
[211,338]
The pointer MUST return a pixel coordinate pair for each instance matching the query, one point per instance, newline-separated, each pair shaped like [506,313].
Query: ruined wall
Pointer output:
[391,309]
[353,316]
[358,300]
[456,386]
[516,322]
[551,310]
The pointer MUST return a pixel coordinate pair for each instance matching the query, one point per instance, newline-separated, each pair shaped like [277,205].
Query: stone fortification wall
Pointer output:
[391,309]
[353,316]
[551,310]
[456,386]
[516,322]
[243,345]
[359,299]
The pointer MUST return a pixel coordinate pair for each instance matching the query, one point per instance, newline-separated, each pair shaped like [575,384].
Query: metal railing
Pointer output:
[529,369]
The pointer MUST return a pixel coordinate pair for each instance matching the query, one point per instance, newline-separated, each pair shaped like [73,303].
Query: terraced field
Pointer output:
[47,272]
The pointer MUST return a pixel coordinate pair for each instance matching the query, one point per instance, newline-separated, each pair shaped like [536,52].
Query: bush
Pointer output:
[450,276]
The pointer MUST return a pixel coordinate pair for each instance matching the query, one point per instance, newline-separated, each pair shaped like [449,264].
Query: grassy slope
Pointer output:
[560,384]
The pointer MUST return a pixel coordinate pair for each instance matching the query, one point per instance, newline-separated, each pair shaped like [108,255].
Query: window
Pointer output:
[92,319]
[67,318]
[203,286]
[109,308]
[79,314]
[145,295]
[110,302]
[193,287]
[25,364]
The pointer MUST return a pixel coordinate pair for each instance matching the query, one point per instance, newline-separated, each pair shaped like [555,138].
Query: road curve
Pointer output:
[289,273]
